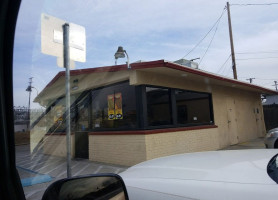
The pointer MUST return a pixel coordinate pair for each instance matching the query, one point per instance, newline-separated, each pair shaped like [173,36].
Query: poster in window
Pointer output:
[111,108]
[58,114]
[118,106]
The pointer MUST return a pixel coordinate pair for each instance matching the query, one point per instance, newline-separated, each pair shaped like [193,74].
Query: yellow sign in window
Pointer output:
[118,106]
[115,110]
[111,107]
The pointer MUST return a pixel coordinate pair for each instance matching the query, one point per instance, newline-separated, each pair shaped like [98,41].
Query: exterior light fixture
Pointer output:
[29,89]
[121,54]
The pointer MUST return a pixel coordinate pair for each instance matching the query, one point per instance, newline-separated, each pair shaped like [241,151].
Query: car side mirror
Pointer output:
[272,168]
[100,186]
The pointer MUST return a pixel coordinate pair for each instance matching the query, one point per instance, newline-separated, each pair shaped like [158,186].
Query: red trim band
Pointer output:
[58,133]
[154,131]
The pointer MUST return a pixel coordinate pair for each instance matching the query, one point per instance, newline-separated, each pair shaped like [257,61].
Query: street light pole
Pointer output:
[66,66]
[29,89]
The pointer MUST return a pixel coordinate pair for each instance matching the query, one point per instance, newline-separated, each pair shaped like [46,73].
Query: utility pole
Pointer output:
[275,84]
[231,42]
[29,89]
[250,79]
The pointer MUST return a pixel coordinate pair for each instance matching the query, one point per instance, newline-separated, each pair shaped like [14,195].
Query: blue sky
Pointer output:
[150,30]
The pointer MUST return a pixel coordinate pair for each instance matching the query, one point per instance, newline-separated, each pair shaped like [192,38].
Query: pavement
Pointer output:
[37,171]
[257,143]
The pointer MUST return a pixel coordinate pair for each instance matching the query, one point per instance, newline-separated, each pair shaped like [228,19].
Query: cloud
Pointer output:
[148,30]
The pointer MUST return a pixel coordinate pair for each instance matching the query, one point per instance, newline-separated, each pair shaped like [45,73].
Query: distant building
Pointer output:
[159,108]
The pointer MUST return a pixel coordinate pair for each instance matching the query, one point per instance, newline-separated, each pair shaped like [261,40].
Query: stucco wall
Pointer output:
[249,123]
[235,110]
[55,145]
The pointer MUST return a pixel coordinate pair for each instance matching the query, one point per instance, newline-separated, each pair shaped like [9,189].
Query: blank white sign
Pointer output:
[60,63]
[52,38]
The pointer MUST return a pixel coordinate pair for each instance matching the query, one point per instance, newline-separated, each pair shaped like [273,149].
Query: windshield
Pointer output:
[100,86]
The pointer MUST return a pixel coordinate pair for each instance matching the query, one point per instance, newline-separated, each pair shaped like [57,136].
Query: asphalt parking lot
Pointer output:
[38,171]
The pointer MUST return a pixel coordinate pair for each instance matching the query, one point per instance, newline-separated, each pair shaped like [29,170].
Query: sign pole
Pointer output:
[66,66]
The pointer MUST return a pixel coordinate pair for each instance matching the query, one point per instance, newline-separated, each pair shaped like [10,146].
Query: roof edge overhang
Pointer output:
[155,64]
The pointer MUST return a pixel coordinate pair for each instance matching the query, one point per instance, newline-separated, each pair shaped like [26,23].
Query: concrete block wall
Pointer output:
[117,149]
[165,144]
[129,150]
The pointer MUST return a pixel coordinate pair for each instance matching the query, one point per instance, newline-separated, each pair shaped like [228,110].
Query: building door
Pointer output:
[259,122]
[232,121]
[81,145]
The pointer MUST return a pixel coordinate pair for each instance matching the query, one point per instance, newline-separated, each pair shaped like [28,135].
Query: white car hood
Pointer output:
[233,166]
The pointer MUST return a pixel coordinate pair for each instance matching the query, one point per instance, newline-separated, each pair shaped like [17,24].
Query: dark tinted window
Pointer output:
[114,107]
[158,106]
[82,114]
[193,107]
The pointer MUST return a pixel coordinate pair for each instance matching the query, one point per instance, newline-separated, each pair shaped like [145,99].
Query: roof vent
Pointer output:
[139,61]
[187,63]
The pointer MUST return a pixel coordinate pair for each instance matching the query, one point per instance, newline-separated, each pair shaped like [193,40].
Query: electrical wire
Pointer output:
[220,68]
[259,52]
[229,71]
[267,79]
[255,4]
[209,43]
[206,33]
[256,58]
[225,70]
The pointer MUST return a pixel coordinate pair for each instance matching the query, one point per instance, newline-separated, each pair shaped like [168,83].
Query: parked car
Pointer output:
[271,139]
[234,174]
[237,174]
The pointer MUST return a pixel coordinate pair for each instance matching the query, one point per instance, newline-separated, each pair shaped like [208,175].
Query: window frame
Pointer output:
[91,129]
[142,109]
[170,107]
[173,108]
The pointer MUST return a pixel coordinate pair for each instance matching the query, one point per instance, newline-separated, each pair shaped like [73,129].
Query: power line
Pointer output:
[259,52]
[230,69]
[257,58]
[220,68]
[267,79]
[209,43]
[226,70]
[255,4]
[206,33]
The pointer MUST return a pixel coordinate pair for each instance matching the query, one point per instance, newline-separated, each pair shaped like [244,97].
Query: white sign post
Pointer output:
[67,41]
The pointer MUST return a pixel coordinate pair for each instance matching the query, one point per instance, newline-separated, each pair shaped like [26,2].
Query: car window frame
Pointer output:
[11,188]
